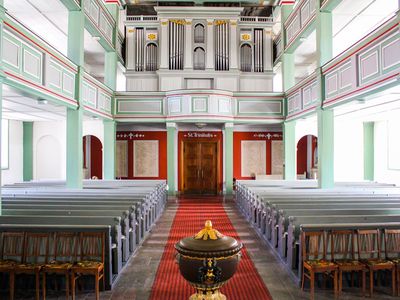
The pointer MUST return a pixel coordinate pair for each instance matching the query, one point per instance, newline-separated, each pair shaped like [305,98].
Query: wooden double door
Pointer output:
[200,167]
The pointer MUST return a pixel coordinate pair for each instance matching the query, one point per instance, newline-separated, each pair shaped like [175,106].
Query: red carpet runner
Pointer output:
[189,219]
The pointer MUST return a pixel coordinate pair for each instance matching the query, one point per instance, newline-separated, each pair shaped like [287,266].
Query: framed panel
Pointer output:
[224,105]
[121,159]
[174,105]
[89,94]
[68,83]
[199,104]
[32,63]
[331,83]
[254,158]
[140,107]
[369,65]
[145,158]
[390,53]
[11,48]
[277,157]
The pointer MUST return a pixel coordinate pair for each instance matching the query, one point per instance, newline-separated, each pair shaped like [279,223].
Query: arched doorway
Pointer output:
[307,157]
[92,157]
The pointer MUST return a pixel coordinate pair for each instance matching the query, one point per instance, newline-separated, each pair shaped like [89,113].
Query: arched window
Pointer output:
[199,33]
[245,58]
[151,57]
[199,59]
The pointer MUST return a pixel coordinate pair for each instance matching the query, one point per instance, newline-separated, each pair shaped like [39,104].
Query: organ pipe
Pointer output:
[176,44]
[221,46]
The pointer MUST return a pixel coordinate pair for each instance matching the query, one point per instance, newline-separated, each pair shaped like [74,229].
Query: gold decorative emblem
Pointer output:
[131,30]
[208,233]
[246,37]
[164,23]
[179,22]
[209,23]
[233,23]
[151,36]
[220,22]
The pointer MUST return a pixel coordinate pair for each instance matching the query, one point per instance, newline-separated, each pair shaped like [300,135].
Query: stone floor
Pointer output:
[136,280]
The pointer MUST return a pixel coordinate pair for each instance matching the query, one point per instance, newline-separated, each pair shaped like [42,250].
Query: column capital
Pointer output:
[171,125]
[228,125]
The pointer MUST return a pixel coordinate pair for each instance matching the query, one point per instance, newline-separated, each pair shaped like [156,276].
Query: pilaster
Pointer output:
[234,45]
[289,144]
[164,44]
[2,16]
[171,157]
[110,69]
[288,71]
[109,149]
[369,153]
[210,44]
[27,151]
[228,158]
[188,58]
[324,35]
[325,148]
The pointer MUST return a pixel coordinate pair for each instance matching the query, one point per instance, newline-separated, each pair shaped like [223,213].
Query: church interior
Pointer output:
[200,149]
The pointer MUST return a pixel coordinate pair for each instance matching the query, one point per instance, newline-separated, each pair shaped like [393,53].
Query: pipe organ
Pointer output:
[176,42]
[221,45]
[166,52]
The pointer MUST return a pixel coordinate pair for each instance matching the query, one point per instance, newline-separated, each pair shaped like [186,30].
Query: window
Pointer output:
[199,33]
[4,144]
[151,57]
[245,58]
[199,59]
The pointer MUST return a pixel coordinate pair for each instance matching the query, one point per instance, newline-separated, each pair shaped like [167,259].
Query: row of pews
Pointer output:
[43,222]
[294,217]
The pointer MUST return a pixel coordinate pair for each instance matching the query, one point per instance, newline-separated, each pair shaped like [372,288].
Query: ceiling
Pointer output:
[17,106]
[353,19]
[49,20]
[305,59]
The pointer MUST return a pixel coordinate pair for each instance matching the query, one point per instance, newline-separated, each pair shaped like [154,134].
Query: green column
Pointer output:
[27,151]
[109,149]
[325,148]
[74,176]
[369,159]
[288,71]
[76,26]
[287,58]
[229,158]
[324,35]
[171,157]
[289,148]
[110,70]
[74,148]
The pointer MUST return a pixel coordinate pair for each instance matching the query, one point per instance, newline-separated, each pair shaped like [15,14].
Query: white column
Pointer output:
[268,57]
[210,44]
[164,53]
[188,59]
[233,60]
[130,48]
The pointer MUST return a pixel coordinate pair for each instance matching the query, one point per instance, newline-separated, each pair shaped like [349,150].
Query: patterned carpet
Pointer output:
[189,219]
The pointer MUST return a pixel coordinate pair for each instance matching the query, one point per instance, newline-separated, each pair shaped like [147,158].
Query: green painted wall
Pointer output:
[27,151]
[369,153]
[229,158]
[109,149]
[74,148]
[171,133]
[325,148]
[289,150]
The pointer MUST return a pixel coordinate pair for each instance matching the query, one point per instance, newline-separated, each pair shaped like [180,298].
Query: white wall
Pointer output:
[49,150]
[385,171]
[348,149]
[14,173]
[94,127]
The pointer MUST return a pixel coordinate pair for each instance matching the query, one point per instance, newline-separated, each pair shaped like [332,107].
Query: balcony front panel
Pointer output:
[33,65]
[302,98]
[373,63]
[96,97]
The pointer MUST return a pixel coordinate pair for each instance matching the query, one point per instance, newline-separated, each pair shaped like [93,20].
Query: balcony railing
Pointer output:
[96,96]
[257,19]
[142,18]
[34,63]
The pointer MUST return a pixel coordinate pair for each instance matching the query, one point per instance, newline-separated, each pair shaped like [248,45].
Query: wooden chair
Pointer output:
[36,252]
[314,257]
[392,251]
[369,252]
[65,247]
[92,255]
[343,254]
[12,245]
